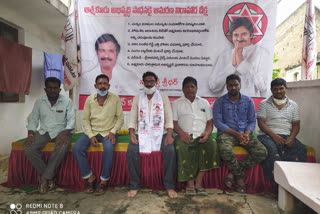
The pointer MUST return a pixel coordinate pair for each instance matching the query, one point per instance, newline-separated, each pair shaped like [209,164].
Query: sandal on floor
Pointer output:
[228,182]
[51,184]
[191,191]
[100,189]
[241,188]
[90,187]
[201,192]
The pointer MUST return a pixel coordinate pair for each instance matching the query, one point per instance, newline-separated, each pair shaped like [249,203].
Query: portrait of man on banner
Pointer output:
[142,120]
[107,50]
[247,59]
[157,116]
[178,42]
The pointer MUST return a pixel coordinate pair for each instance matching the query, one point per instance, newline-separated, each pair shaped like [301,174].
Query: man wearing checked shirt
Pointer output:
[56,116]
[234,117]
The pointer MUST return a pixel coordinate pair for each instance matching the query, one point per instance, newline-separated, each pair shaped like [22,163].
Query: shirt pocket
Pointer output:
[228,112]
[60,115]
[243,112]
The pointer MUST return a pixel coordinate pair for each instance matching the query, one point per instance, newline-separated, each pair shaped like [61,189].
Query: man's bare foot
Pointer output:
[172,193]
[43,185]
[132,193]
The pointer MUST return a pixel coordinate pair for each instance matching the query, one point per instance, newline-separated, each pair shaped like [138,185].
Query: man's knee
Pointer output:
[225,147]
[63,147]
[28,151]
[76,148]
[108,146]
[169,149]
[261,153]
[132,151]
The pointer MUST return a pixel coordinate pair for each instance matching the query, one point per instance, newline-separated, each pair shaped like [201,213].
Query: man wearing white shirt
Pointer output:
[246,60]
[151,136]
[197,150]
[122,81]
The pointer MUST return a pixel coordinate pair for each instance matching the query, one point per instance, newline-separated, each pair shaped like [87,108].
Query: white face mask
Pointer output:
[279,102]
[149,90]
[102,93]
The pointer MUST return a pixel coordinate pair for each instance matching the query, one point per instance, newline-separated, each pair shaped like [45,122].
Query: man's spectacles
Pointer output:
[149,81]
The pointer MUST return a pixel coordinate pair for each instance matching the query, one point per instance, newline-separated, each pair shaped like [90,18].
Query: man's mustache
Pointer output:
[106,58]
[102,89]
[241,41]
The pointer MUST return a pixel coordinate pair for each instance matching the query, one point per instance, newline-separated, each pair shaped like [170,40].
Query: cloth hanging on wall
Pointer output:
[53,66]
[15,67]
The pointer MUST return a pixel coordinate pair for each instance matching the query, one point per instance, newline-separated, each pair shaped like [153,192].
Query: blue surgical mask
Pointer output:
[102,93]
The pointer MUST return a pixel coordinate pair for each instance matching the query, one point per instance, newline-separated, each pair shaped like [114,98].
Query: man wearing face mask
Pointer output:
[102,119]
[56,116]
[247,60]
[279,122]
[154,136]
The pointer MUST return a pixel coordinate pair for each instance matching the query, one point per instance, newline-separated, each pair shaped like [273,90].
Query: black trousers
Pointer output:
[133,156]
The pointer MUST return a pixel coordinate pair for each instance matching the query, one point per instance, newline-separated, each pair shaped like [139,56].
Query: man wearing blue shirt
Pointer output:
[234,117]
[56,116]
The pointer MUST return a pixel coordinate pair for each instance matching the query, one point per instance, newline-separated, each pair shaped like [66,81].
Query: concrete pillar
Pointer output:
[285,200]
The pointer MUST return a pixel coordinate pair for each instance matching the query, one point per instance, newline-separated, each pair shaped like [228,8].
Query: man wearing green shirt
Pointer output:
[56,116]
[102,119]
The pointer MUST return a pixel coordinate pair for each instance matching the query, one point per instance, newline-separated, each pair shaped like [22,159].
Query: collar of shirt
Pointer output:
[95,97]
[183,97]
[269,100]
[45,98]
[226,97]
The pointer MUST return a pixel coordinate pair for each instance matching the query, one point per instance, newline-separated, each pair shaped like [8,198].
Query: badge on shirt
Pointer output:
[203,110]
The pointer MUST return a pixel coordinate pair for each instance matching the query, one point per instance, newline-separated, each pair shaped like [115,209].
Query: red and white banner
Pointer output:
[176,39]
[70,38]
[309,49]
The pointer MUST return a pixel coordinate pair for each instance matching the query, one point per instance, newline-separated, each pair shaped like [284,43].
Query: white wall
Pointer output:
[13,115]
[306,94]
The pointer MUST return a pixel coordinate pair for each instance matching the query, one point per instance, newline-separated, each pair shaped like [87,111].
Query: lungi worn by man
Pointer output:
[155,134]
[234,117]
[197,150]
[279,122]
[56,116]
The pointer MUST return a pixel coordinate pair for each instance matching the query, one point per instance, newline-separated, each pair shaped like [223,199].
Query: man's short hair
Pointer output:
[52,79]
[233,77]
[189,79]
[242,21]
[158,107]
[101,76]
[278,82]
[107,38]
[150,73]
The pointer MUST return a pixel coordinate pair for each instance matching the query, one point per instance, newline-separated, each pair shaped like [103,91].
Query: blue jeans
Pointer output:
[296,152]
[79,152]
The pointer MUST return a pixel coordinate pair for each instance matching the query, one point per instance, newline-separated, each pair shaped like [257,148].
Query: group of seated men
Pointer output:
[151,124]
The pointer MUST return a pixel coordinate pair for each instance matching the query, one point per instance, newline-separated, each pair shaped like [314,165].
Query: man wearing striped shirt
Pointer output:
[279,121]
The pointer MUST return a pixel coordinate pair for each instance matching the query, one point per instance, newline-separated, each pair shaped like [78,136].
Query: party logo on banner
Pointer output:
[251,11]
